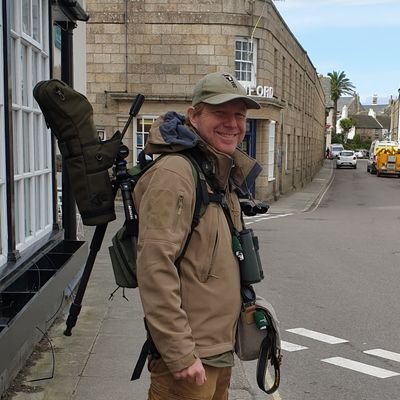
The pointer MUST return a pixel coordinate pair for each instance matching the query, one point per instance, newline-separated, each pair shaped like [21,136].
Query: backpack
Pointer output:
[123,250]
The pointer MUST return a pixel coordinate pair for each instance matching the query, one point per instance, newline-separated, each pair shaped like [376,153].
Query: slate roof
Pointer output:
[379,109]
[351,103]
[366,121]
[384,121]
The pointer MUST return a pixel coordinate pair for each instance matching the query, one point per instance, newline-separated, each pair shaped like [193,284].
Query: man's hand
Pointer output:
[195,373]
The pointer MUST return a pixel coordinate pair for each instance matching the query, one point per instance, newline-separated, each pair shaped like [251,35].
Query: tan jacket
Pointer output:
[194,313]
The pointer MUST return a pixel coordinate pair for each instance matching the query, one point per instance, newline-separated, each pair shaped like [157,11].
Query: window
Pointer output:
[32,149]
[101,132]
[276,56]
[141,133]
[287,150]
[246,61]
[31,18]
[283,97]
[271,150]
[57,36]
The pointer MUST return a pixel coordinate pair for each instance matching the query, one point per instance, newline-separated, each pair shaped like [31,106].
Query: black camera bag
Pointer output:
[69,115]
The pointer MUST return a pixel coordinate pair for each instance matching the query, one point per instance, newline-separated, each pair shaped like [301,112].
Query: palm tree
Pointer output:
[340,85]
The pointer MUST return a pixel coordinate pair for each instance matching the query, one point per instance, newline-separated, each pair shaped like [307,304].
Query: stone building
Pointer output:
[161,49]
[395,119]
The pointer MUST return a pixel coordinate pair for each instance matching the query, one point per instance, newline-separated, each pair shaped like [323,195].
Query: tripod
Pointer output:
[121,181]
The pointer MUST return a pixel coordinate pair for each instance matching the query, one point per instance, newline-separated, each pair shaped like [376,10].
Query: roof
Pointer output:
[377,108]
[353,104]
[384,121]
[366,121]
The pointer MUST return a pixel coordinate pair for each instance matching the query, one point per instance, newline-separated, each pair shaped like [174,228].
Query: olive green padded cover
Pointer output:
[87,159]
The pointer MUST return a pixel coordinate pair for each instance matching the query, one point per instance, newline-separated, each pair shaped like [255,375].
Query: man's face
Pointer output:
[222,126]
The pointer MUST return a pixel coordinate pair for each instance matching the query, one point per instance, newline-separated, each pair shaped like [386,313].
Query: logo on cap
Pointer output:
[230,79]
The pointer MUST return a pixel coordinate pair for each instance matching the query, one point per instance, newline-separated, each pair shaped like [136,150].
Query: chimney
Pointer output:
[375,99]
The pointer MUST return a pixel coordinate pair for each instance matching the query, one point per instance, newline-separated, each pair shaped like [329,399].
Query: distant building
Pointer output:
[372,120]
[395,119]
[370,127]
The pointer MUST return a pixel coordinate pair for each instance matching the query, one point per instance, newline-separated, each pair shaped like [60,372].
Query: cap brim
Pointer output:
[223,98]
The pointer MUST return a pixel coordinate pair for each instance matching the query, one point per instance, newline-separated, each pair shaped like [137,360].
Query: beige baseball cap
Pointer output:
[220,87]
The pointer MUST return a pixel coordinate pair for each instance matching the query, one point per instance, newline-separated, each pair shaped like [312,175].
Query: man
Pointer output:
[191,310]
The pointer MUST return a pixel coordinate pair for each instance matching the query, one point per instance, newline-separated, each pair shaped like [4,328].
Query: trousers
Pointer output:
[163,386]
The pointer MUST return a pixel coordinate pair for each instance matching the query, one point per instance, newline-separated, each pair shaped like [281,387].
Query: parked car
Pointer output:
[360,153]
[346,158]
[335,149]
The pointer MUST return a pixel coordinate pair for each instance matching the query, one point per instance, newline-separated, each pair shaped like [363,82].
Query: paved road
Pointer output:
[333,276]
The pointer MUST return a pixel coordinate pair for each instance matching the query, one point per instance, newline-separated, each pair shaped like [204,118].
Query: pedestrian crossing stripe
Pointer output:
[389,355]
[289,347]
[322,337]
[360,367]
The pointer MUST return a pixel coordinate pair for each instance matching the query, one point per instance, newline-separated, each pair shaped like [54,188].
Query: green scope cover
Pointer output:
[87,159]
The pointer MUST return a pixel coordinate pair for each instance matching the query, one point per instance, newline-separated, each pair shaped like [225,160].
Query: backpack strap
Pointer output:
[203,199]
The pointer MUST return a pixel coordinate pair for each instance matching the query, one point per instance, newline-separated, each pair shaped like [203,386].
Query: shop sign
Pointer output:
[261,91]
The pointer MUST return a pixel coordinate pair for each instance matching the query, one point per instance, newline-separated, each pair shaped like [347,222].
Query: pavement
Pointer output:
[97,360]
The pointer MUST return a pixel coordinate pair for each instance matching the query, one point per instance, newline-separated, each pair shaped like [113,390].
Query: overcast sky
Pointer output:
[359,37]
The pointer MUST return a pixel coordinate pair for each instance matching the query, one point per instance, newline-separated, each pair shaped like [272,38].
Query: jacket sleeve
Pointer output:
[165,197]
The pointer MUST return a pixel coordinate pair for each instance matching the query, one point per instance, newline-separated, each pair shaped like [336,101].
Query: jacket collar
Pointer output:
[170,134]
[239,168]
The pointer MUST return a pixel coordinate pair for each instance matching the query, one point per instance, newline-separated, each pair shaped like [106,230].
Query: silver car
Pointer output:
[346,158]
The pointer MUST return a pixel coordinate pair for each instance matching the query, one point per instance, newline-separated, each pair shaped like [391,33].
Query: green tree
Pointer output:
[340,85]
[346,124]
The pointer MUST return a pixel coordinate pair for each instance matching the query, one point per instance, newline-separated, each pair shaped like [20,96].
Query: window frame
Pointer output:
[271,149]
[253,63]
[135,148]
[33,184]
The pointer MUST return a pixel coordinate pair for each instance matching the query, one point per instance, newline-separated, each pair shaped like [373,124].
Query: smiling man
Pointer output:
[188,274]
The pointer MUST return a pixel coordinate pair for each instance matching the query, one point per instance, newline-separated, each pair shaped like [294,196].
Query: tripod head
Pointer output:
[119,170]
[122,180]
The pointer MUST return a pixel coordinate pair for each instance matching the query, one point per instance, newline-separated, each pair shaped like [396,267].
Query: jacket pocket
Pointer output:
[207,266]
[178,210]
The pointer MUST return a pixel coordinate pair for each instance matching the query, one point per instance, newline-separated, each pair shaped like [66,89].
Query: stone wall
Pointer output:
[161,48]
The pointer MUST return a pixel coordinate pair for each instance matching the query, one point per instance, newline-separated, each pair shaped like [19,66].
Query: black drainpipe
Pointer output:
[67,75]
[12,253]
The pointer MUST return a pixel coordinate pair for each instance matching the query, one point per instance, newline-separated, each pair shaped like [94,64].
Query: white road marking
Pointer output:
[360,367]
[254,219]
[322,337]
[287,346]
[389,355]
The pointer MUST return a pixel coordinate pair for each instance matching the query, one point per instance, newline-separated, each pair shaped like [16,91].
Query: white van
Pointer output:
[335,149]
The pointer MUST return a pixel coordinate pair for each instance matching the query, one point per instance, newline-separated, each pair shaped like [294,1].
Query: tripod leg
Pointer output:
[76,306]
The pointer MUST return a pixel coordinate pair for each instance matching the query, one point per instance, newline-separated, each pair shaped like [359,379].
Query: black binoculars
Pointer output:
[253,207]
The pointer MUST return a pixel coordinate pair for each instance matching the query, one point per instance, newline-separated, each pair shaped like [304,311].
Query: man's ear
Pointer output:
[190,114]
